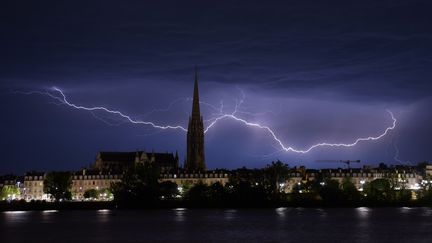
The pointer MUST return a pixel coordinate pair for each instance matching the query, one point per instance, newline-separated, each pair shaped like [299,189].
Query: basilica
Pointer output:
[166,162]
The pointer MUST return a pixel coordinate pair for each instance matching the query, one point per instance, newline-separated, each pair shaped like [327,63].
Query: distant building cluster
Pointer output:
[409,176]
[106,170]
[31,186]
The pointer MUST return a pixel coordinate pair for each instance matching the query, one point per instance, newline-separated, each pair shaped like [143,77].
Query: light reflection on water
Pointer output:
[16,217]
[322,213]
[15,212]
[427,212]
[179,214]
[48,216]
[405,210]
[281,212]
[103,215]
[363,212]
[49,211]
[230,214]
[299,210]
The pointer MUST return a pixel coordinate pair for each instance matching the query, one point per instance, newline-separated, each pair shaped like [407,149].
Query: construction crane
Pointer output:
[348,162]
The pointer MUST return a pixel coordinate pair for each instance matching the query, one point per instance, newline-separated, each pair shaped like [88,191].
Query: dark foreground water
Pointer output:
[218,225]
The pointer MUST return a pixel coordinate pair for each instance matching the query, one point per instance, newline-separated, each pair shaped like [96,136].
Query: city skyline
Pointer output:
[309,84]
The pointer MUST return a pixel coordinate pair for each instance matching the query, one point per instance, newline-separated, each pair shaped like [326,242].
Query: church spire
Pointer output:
[195,105]
[195,135]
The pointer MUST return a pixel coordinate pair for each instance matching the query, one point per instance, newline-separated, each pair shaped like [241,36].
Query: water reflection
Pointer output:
[405,210]
[427,212]
[104,211]
[48,216]
[299,210]
[179,214]
[281,212]
[103,215]
[16,217]
[221,225]
[15,212]
[322,213]
[363,212]
[230,214]
[362,225]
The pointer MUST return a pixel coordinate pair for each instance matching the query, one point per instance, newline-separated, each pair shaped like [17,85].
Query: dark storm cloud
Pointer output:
[308,59]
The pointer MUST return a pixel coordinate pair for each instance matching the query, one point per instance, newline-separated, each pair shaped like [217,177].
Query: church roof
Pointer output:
[162,158]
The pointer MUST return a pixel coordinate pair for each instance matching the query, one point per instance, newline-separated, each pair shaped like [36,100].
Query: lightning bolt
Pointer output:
[65,101]
[221,116]
[396,155]
[291,149]
[101,108]
[283,147]
[166,109]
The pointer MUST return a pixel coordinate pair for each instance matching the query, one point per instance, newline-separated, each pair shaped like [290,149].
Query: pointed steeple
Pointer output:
[195,105]
[195,135]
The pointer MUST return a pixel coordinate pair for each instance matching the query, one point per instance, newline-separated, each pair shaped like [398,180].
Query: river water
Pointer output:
[220,225]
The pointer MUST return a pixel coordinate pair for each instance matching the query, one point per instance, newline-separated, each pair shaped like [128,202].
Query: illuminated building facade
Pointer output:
[34,186]
[208,178]
[84,180]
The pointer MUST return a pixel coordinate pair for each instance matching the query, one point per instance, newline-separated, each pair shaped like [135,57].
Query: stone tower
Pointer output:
[195,136]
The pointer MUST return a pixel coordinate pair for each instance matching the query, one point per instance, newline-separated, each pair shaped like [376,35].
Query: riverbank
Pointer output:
[70,205]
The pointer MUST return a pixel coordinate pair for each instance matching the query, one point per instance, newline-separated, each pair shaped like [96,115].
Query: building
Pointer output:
[208,178]
[195,160]
[121,161]
[85,180]
[408,178]
[428,171]
[33,186]
[10,180]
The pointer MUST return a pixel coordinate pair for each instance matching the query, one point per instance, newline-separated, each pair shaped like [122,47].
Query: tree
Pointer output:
[254,176]
[276,174]
[168,190]
[398,186]
[8,192]
[105,194]
[379,190]
[91,194]
[425,193]
[58,185]
[139,185]
[218,193]
[199,194]
[330,191]
[349,190]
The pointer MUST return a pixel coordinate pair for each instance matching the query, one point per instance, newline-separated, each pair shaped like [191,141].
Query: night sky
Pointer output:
[323,71]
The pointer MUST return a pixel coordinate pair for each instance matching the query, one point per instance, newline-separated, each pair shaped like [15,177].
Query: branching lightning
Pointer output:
[291,149]
[101,108]
[219,117]
[65,101]
[396,155]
